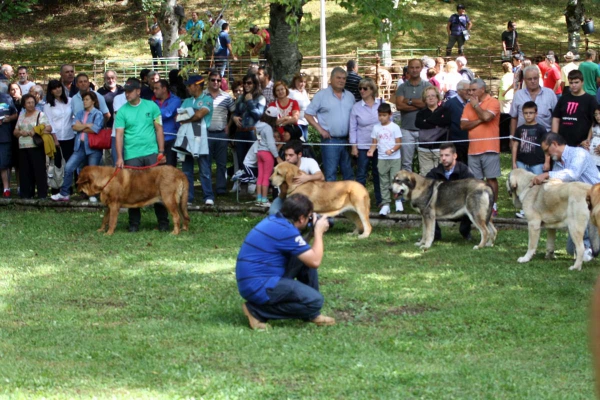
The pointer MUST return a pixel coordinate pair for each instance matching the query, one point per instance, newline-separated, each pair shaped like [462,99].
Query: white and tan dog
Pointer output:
[552,205]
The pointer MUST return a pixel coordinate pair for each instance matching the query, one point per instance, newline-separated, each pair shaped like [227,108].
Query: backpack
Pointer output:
[217,45]
[468,72]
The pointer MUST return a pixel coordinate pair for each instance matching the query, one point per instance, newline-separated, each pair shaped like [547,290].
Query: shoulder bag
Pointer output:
[102,140]
[55,174]
[37,139]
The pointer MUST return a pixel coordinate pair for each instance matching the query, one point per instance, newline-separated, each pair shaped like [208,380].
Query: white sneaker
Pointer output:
[251,188]
[399,206]
[209,202]
[385,210]
[520,214]
[588,255]
[93,199]
[59,197]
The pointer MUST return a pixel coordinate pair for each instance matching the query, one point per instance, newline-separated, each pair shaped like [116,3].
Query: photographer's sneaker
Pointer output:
[93,199]
[59,197]
[385,210]
[399,206]
[588,255]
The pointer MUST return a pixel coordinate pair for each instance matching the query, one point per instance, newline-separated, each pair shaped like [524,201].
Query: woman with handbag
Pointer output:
[288,111]
[32,158]
[88,121]
[433,122]
[59,113]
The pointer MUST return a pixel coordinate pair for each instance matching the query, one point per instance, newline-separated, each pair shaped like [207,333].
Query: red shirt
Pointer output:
[550,78]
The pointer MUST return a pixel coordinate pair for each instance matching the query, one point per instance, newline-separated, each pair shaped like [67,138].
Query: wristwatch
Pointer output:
[410,102]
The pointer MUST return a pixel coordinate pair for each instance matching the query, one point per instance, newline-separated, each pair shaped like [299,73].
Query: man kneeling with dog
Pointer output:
[276,268]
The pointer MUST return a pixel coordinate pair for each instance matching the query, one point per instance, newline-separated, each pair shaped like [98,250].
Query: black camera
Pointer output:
[312,221]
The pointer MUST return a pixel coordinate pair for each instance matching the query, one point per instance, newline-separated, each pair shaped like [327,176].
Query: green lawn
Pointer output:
[150,315]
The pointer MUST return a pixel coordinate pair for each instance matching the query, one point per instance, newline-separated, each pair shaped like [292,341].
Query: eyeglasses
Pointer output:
[363,88]
[215,80]
[248,83]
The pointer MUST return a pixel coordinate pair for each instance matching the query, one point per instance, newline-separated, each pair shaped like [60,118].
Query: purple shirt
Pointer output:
[362,120]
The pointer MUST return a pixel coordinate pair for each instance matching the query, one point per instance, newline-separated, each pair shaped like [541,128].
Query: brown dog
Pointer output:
[329,198]
[137,188]
[593,201]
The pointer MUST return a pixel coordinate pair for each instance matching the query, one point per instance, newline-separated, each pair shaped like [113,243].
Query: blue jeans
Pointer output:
[536,169]
[217,151]
[222,65]
[113,149]
[296,295]
[304,129]
[205,176]
[336,155]
[276,205]
[362,169]
[77,159]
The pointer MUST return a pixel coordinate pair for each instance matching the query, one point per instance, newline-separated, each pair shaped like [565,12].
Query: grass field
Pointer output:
[149,315]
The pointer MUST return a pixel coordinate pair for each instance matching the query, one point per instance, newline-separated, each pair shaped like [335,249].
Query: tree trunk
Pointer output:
[169,24]
[386,45]
[285,58]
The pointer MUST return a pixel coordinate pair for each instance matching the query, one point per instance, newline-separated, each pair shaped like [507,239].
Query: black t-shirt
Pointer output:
[576,114]
[507,38]
[527,152]
[109,97]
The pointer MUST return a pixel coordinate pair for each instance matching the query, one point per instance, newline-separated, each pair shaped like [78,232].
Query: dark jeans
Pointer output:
[362,169]
[217,152]
[32,172]
[135,215]
[170,154]
[66,147]
[452,39]
[464,228]
[156,51]
[291,298]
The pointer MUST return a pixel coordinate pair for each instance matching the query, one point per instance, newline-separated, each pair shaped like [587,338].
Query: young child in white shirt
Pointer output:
[387,139]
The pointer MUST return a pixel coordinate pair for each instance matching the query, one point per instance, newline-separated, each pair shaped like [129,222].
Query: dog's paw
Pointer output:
[523,259]
[101,230]
[489,244]
[419,244]
[424,247]
[476,247]
[550,256]
[363,236]
[575,268]
[109,233]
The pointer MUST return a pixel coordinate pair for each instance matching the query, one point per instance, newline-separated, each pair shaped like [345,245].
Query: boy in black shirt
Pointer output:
[574,113]
[527,152]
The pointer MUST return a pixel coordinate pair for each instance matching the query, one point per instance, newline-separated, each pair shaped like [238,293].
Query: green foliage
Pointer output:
[10,9]
[151,6]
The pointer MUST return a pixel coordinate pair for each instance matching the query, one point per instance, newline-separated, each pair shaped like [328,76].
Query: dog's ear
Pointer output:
[588,200]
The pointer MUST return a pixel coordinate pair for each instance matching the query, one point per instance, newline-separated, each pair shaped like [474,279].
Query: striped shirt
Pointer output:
[222,105]
[576,165]
[352,81]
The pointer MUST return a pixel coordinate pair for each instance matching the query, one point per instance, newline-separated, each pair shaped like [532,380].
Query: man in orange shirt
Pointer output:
[481,118]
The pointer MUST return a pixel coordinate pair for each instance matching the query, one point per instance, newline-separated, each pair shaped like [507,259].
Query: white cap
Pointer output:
[272,112]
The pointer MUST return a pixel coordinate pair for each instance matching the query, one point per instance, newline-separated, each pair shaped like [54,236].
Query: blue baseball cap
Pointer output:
[194,80]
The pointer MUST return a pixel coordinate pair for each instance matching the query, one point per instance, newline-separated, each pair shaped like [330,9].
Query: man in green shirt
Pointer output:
[140,140]
[591,73]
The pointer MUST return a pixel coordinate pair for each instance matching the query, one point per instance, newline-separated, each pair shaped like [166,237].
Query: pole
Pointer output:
[323,48]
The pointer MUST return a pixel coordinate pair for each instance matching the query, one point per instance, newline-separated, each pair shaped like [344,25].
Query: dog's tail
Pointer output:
[183,195]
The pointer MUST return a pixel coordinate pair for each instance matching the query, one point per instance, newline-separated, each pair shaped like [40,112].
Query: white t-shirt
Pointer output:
[309,165]
[118,102]
[386,139]
[25,87]
[595,142]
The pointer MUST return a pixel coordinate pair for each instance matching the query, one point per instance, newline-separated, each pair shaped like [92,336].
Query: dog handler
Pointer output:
[276,268]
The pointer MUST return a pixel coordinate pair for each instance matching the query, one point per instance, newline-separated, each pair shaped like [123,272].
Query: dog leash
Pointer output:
[159,158]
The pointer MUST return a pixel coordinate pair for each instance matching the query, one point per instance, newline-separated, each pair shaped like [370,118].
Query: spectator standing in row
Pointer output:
[457,24]
[450,79]
[60,115]
[38,92]
[544,98]
[24,83]
[552,76]
[466,73]
[481,118]
[8,114]
[574,113]
[298,92]
[67,78]
[363,118]
[455,107]
[432,121]
[83,84]
[140,140]
[517,63]
[510,40]
[7,71]
[168,103]
[288,112]
[591,73]
[506,89]
[564,71]
[224,51]
[109,90]
[353,79]
[223,105]
[329,114]
[266,84]
[409,101]
[202,104]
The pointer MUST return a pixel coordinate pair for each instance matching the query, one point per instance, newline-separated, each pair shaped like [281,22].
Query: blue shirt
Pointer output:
[168,111]
[202,101]
[7,108]
[332,112]
[264,255]
[576,165]
[195,28]
[77,103]
[545,101]
[96,118]
[224,40]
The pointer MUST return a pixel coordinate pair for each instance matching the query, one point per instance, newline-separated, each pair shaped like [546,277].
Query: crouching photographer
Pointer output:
[276,268]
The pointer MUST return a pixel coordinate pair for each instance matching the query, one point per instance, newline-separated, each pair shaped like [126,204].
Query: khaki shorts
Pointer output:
[486,165]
